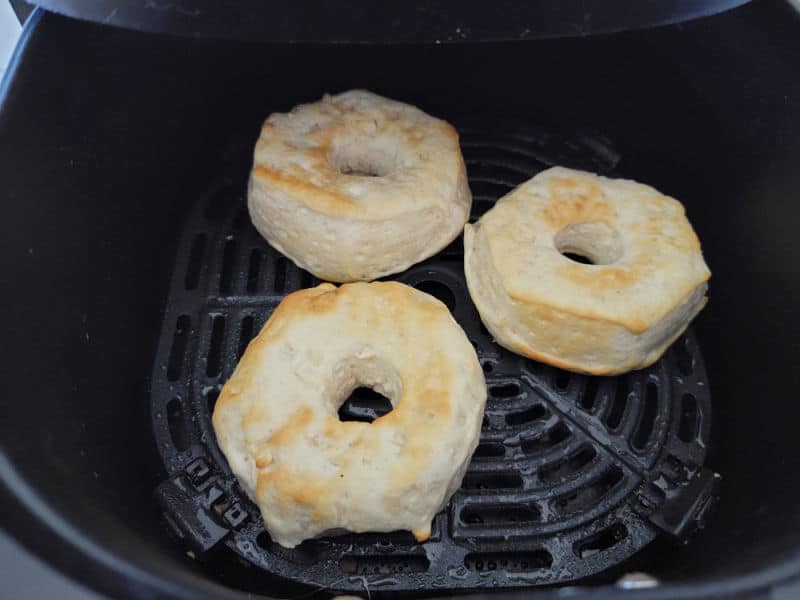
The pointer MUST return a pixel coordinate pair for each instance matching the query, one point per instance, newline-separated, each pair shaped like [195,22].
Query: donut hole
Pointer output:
[365,405]
[362,160]
[594,243]
[364,388]
[578,258]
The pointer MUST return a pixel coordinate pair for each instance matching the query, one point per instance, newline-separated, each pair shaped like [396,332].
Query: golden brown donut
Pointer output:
[356,186]
[648,280]
[310,473]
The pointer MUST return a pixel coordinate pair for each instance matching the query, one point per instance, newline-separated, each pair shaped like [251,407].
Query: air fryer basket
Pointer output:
[125,158]
[572,476]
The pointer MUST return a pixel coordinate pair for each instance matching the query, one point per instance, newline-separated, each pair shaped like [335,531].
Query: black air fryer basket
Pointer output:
[134,280]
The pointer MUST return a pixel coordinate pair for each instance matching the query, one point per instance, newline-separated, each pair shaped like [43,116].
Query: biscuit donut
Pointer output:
[356,186]
[648,279]
[310,473]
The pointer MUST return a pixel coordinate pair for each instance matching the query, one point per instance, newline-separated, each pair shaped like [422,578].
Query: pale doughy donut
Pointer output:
[310,473]
[312,197]
[621,313]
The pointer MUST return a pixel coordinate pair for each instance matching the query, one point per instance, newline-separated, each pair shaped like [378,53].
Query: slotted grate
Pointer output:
[573,474]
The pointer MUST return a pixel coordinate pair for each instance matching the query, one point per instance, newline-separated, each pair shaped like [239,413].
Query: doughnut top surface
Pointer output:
[360,155]
[647,258]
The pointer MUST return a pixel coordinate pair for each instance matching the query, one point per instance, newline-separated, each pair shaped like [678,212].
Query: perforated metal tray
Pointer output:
[573,474]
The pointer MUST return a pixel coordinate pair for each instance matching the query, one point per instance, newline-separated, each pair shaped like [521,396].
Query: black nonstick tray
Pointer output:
[573,474]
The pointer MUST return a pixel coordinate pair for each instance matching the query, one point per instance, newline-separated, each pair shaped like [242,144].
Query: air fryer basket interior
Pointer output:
[110,138]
